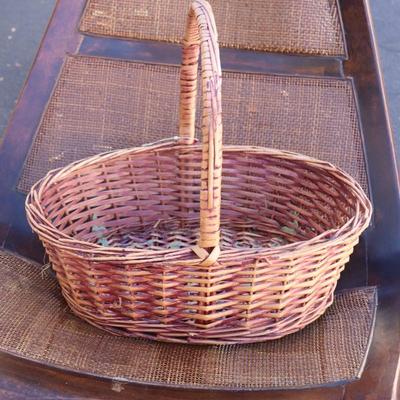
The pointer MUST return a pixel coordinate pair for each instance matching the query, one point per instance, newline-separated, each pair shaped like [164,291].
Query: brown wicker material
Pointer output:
[101,104]
[285,26]
[135,235]
[36,324]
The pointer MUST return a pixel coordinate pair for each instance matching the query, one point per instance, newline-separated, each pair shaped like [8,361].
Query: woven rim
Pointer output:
[44,227]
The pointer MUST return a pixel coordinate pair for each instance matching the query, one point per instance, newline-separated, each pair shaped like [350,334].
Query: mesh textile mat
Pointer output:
[102,104]
[35,323]
[288,26]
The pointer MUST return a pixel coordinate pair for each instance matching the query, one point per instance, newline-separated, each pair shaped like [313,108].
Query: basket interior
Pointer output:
[151,200]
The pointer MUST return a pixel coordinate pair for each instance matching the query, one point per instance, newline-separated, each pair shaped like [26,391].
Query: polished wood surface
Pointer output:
[33,381]
[232,59]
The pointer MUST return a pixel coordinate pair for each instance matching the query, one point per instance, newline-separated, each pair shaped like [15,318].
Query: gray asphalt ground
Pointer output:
[22,24]
[386,15]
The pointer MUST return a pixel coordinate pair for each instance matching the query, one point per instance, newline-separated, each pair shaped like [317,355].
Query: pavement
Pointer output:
[22,25]
[23,22]
[386,19]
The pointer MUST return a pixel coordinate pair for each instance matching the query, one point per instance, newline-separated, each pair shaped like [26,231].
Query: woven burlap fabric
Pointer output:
[101,104]
[35,323]
[288,26]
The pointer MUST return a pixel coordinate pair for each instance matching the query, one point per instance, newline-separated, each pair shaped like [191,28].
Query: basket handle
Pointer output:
[201,33]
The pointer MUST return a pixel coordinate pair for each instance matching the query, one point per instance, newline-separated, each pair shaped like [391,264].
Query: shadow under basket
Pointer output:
[175,243]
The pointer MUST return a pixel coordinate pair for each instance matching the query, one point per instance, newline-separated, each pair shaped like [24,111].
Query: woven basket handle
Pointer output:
[201,33]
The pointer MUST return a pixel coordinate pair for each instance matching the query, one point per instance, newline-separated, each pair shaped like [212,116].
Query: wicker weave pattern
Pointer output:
[254,293]
[90,215]
[288,26]
[102,104]
[35,323]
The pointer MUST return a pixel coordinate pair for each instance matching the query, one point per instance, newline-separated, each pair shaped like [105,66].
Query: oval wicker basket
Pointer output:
[144,243]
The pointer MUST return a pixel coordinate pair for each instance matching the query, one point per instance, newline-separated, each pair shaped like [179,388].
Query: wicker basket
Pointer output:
[144,243]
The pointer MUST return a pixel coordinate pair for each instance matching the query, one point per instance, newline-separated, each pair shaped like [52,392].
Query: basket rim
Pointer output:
[45,229]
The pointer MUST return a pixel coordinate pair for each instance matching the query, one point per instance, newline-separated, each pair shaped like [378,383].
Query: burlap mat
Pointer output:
[287,26]
[101,104]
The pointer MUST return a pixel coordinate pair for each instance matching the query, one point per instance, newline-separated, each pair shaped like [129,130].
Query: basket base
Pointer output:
[184,334]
